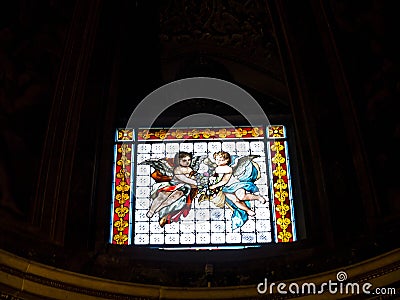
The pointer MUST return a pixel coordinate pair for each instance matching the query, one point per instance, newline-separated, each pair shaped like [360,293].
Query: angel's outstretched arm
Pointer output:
[227,171]
[178,173]
[222,182]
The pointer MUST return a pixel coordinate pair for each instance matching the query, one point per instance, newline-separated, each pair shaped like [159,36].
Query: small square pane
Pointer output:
[187,227]
[233,237]
[172,228]
[156,239]
[142,180]
[203,204]
[228,147]
[141,239]
[142,227]
[243,147]
[142,157]
[217,226]
[217,214]
[140,215]
[249,238]
[143,148]
[261,163]
[263,213]
[202,226]
[214,147]
[263,190]
[186,147]
[203,238]
[143,170]
[143,192]
[156,228]
[243,153]
[188,238]
[172,238]
[158,148]
[264,237]
[172,148]
[263,225]
[200,147]
[202,215]
[217,238]
[142,203]
[257,146]
[249,226]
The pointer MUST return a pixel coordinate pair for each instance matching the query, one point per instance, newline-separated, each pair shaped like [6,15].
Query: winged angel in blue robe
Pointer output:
[233,185]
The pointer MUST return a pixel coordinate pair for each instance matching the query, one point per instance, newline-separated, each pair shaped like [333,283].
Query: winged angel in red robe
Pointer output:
[175,188]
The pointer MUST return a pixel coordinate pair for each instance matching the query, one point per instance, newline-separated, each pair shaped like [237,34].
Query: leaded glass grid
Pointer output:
[206,223]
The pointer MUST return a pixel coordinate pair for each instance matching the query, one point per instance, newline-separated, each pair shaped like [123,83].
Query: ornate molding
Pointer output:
[29,277]
[242,27]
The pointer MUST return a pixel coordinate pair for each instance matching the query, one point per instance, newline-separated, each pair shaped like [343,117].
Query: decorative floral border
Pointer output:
[280,185]
[125,135]
[121,220]
[276,131]
[200,133]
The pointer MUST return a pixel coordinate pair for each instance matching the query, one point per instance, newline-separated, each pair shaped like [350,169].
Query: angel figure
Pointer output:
[175,188]
[234,185]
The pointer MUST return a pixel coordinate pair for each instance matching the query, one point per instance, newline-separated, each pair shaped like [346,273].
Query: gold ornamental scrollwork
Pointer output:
[223,133]
[281,188]
[145,134]
[239,132]
[122,193]
[194,133]
[122,211]
[125,135]
[121,224]
[120,238]
[179,134]
[208,133]
[276,131]
[162,134]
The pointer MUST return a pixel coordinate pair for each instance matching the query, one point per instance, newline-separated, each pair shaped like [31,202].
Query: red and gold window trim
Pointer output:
[280,184]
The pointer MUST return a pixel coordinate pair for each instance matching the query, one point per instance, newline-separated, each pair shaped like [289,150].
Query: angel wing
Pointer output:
[242,164]
[159,164]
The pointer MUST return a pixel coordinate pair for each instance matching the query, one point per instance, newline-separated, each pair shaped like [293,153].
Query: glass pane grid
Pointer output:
[185,216]
[205,223]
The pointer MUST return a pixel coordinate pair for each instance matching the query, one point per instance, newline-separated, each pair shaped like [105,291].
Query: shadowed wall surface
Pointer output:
[70,73]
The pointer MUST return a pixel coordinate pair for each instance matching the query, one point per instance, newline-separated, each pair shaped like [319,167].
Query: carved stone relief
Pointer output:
[242,27]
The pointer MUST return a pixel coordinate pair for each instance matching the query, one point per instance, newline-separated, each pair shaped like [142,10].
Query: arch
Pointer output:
[220,90]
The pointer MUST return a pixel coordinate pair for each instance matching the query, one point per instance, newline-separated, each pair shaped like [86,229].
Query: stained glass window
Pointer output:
[202,187]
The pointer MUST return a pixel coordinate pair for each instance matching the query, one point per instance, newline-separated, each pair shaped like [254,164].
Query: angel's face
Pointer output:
[185,161]
[220,160]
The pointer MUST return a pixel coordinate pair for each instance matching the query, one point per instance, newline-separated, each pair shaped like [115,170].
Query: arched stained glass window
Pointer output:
[217,187]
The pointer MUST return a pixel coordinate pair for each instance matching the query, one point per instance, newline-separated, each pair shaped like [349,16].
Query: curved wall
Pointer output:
[26,279]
